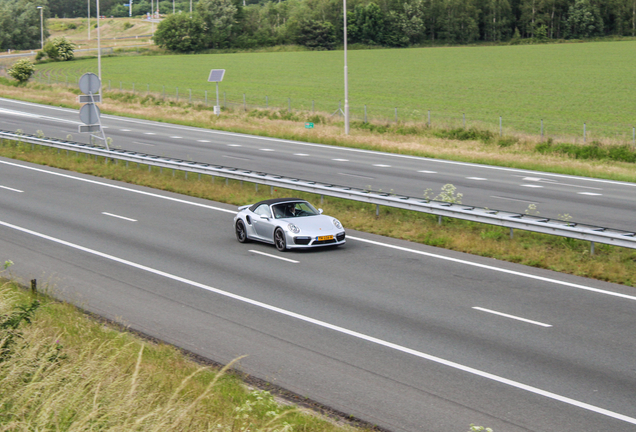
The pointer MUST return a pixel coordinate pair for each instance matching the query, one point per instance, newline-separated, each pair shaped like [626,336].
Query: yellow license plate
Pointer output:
[329,237]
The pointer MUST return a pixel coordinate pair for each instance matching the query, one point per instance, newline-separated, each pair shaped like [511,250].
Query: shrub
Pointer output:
[21,70]
[60,48]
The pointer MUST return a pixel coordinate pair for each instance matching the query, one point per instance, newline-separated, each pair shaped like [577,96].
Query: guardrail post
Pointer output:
[592,248]
[34,286]
[439,219]
[511,233]
[377,210]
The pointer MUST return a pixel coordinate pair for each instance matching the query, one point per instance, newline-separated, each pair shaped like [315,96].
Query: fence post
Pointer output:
[224,101]
[365,114]
[190,96]
[133,88]
[634,135]
[289,105]
[177,94]
[500,127]
[147,89]
[266,102]
[429,118]
[541,130]
[312,107]
[244,104]
[206,98]
[108,85]
[120,86]
[584,137]
[464,119]
[164,92]
[396,118]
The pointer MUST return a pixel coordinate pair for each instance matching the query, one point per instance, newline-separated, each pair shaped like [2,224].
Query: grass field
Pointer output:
[566,85]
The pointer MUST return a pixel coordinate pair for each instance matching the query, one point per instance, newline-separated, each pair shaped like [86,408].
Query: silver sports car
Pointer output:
[287,223]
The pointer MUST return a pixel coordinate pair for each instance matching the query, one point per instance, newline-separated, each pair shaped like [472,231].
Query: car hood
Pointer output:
[312,224]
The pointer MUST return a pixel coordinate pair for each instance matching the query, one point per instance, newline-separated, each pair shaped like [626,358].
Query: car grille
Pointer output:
[340,237]
[302,240]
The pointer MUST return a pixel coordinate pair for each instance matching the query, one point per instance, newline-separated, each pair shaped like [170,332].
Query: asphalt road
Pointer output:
[406,336]
[586,200]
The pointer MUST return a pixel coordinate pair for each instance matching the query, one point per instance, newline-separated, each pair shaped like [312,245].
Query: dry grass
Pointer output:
[70,373]
[609,263]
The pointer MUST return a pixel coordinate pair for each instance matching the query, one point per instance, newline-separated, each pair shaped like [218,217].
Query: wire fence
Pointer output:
[498,125]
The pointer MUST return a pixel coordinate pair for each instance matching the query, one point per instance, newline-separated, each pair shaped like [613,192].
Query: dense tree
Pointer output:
[318,35]
[584,20]
[20,24]
[220,18]
[181,33]
[60,48]
[21,70]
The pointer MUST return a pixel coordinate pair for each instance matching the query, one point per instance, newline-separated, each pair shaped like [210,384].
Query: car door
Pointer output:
[264,223]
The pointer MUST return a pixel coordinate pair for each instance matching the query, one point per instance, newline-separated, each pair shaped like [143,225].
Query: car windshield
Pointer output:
[294,209]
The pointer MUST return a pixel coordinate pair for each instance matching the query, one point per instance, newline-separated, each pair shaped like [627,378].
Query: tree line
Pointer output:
[318,24]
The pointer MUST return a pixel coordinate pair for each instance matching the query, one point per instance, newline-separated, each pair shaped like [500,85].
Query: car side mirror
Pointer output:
[264,217]
[320,211]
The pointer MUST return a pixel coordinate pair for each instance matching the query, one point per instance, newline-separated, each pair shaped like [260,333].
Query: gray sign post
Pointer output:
[90,85]
[216,75]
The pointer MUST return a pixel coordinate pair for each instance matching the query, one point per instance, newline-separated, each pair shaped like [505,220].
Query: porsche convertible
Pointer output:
[288,223]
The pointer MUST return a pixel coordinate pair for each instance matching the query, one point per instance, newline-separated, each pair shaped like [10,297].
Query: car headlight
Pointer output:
[293,228]
[337,223]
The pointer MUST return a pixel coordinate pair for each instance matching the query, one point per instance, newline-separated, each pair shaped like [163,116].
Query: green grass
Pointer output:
[563,84]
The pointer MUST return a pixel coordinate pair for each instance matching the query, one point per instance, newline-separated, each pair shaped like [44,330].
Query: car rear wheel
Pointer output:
[279,240]
[241,233]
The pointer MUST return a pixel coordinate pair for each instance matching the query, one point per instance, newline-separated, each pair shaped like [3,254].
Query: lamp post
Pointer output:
[88,26]
[41,28]
[346,79]
[99,47]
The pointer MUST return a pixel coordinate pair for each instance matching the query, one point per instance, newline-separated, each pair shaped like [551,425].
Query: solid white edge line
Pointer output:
[119,217]
[354,150]
[516,273]
[497,269]
[511,316]
[339,329]
[273,256]
[11,189]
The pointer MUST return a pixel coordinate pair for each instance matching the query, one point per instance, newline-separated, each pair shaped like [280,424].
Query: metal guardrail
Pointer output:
[489,216]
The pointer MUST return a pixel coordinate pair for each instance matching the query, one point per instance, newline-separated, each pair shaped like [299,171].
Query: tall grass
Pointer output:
[609,263]
[67,372]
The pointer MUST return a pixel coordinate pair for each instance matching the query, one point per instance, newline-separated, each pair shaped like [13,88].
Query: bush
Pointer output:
[22,70]
[60,48]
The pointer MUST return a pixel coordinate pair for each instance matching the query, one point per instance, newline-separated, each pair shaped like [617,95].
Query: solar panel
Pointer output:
[216,75]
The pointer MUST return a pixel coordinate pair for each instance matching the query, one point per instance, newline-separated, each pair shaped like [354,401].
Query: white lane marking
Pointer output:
[542,180]
[203,140]
[476,178]
[301,154]
[124,130]
[342,330]
[299,143]
[119,217]
[589,193]
[532,186]
[382,165]
[358,176]
[146,144]
[274,256]
[512,316]
[340,160]
[234,145]
[149,133]
[176,137]
[428,172]
[235,157]
[268,150]
[387,245]
[25,114]
[497,269]
[113,186]
[11,189]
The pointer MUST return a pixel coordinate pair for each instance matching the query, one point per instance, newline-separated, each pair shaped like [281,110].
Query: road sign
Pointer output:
[309,125]
[89,98]
[89,83]
[89,128]
[89,114]
[216,75]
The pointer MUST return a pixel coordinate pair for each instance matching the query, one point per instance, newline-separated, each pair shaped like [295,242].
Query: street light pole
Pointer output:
[41,28]
[346,79]
[89,20]
[99,47]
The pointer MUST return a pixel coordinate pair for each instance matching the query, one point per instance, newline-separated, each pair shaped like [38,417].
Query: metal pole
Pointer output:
[41,27]
[346,81]
[396,120]
[99,47]
[217,99]
[88,26]
[365,113]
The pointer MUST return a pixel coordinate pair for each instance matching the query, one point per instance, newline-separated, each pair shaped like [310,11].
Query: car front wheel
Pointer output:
[241,233]
[279,240]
